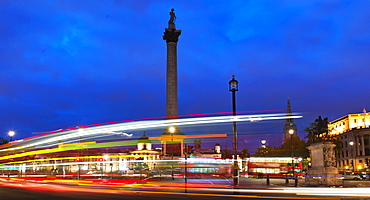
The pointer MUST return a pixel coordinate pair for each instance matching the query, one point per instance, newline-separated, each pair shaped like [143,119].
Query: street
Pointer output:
[195,189]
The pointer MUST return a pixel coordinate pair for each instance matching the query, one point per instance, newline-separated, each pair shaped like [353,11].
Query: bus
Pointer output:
[273,166]
[206,168]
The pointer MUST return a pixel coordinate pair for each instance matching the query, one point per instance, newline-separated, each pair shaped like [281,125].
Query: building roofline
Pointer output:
[339,119]
[347,116]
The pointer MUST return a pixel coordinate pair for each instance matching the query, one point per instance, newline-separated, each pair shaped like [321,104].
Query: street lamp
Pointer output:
[291,132]
[263,145]
[11,134]
[263,142]
[353,166]
[233,87]
[172,131]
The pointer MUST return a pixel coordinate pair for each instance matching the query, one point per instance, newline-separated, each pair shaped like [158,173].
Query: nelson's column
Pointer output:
[172,137]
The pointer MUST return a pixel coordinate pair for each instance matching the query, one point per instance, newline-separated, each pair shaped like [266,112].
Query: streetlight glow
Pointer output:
[11,133]
[172,129]
[291,131]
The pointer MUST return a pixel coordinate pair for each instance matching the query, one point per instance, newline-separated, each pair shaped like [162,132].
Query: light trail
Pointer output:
[79,157]
[69,148]
[50,139]
[166,188]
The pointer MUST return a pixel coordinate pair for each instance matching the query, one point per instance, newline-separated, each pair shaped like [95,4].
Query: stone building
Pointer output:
[353,131]
[145,152]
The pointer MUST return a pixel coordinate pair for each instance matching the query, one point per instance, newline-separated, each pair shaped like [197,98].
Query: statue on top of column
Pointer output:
[172,17]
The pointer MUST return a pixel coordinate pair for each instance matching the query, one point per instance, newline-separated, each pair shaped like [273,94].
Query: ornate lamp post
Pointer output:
[233,87]
[263,145]
[291,132]
[11,134]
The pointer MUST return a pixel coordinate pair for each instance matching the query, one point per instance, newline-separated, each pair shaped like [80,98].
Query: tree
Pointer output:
[226,154]
[299,147]
[245,154]
[310,133]
[285,149]
[264,151]
[3,141]
[229,154]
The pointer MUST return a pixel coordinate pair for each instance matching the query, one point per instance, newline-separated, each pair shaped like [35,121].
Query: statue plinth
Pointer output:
[171,26]
[323,170]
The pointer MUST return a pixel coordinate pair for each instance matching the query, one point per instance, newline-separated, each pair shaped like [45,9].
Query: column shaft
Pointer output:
[171,88]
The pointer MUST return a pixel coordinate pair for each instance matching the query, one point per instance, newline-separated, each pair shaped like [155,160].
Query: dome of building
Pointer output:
[144,143]
[144,139]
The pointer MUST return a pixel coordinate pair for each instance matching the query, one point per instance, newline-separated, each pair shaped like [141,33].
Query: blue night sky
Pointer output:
[71,63]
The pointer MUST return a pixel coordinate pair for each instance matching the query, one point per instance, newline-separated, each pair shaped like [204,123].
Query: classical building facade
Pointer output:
[353,131]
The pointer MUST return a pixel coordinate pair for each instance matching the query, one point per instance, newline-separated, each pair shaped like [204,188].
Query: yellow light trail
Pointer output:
[75,144]
[201,194]
[69,148]
[73,158]
[188,136]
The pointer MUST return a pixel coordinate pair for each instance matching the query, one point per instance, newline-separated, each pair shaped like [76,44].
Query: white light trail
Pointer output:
[50,140]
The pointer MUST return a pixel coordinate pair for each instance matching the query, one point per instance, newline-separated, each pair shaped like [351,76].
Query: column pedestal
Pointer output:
[323,170]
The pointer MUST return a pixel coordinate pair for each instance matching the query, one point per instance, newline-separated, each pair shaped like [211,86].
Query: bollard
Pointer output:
[267,179]
[296,181]
[286,180]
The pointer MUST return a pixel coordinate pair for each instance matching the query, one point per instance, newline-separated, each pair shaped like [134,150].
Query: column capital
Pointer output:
[171,35]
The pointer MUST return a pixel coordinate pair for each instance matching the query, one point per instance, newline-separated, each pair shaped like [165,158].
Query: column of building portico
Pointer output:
[355,146]
[355,153]
[362,145]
